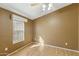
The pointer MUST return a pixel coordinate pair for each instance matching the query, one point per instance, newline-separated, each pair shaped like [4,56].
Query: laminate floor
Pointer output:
[46,50]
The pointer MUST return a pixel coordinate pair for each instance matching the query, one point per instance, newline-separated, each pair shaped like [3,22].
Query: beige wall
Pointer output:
[56,29]
[78,26]
[59,28]
[6,33]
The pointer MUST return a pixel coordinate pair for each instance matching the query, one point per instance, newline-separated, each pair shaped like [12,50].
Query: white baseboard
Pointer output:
[18,49]
[62,48]
[45,45]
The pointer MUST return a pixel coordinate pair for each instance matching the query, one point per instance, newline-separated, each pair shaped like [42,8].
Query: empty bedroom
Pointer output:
[39,29]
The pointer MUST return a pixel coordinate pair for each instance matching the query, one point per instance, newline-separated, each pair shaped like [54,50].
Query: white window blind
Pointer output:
[18,28]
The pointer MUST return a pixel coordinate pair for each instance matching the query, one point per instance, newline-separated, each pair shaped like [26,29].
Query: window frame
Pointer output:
[17,19]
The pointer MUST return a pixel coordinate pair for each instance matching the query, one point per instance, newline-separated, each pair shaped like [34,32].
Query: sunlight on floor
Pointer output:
[42,49]
[39,44]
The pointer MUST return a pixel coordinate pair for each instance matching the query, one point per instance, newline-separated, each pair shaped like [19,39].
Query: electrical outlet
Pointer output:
[66,43]
[6,49]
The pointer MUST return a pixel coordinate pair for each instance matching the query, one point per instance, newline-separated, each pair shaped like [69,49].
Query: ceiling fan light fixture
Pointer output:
[49,6]
[43,7]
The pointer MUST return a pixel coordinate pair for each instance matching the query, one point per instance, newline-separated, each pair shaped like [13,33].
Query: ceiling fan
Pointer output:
[45,6]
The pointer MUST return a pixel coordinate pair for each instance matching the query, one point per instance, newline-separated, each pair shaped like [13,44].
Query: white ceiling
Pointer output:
[31,10]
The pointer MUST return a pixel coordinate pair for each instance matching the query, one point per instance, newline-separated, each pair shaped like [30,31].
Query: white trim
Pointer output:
[2,5]
[58,47]
[44,45]
[7,7]
[19,49]
[61,48]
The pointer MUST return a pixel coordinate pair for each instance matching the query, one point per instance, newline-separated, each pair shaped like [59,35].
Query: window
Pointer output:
[18,29]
